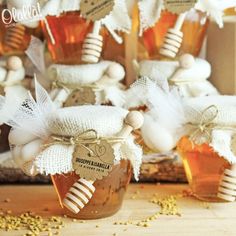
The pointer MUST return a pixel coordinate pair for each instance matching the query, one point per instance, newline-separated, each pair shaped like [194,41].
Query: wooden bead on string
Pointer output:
[82,190]
[186,62]
[14,63]
[227,187]
[92,46]
[173,38]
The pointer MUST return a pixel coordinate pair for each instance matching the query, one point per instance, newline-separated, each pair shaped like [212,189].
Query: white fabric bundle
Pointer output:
[105,75]
[78,74]
[210,119]
[41,119]
[191,82]
[150,11]
[165,117]
[226,109]
[11,75]
[220,111]
[215,8]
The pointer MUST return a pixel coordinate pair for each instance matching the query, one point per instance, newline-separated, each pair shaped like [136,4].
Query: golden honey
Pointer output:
[15,38]
[194,30]
[230,11]
[204,169]
[69,31]
[108,196]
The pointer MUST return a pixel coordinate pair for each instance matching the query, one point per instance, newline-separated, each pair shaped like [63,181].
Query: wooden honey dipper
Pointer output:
[173,38]
[92,46]
[186,62]
[82,190]
[14,36]
[227,187]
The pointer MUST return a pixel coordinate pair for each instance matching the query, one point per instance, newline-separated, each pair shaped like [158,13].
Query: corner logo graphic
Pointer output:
[27,13]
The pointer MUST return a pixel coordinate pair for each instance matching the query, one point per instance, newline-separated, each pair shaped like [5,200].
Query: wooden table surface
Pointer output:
[197,218]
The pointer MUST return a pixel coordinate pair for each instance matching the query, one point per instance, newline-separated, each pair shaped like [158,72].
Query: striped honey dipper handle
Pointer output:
[173,38]
[227,186]
[14,36]
[82,190]
[92,46]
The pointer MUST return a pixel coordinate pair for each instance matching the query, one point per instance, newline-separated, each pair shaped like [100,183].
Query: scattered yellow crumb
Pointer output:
[34,224]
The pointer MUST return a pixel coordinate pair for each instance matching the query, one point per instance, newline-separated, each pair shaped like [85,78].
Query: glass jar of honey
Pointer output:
[15,37]
[194,29]
[204,169]
[108,196]
[69,31]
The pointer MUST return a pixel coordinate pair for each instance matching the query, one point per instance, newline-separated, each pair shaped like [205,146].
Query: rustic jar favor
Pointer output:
[203,167]
[194,30]
[108,196]
[208,151]
[98,83]
[88,150]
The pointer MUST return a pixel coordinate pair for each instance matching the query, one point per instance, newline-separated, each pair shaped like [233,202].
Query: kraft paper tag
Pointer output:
[96,9]
[81,96]
[179,6]
[94,161]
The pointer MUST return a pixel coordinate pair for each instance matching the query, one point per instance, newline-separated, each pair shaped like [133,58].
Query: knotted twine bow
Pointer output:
[83,139]
[202,130]
[71,87]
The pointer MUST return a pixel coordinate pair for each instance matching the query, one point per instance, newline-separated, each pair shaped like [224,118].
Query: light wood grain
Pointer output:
[218,220]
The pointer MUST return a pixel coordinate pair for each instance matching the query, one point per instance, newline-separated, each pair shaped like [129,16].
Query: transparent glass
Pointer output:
[194,30]
[108,196]
[69,31]
[204,169]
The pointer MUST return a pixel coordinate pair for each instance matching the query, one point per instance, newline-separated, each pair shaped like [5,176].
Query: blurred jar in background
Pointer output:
[204,169]
[230,11]
[68,31]
[194,30]
[15,37]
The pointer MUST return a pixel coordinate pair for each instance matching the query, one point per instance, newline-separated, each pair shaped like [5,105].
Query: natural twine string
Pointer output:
[83,139]
[71,87]
[203,129]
